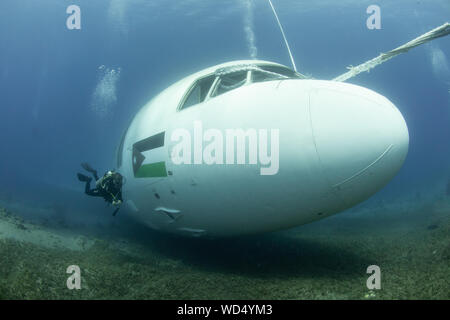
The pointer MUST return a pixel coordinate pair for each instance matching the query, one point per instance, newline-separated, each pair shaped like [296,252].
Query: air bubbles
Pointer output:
[439,63]
[104,96]
[248,29]
[117,15]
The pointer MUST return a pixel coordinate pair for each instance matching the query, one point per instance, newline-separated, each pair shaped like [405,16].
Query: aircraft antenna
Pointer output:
[284,36]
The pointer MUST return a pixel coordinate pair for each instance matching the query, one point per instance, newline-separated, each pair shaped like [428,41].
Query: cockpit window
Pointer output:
[286,72]
[269,73]
[198,92]
[230,81]
[260,76]
[232,77]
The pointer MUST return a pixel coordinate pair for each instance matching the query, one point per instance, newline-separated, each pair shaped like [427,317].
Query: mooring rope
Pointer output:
[438,32]
[284,36]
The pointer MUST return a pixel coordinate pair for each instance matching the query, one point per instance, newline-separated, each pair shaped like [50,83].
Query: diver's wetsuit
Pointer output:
[109,187]
[105,188]
[92,192]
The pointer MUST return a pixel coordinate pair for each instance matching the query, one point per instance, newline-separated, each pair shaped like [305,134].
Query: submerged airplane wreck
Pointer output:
[324,146]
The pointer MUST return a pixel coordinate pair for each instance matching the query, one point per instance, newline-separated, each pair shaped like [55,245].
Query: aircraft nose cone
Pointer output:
[361,138]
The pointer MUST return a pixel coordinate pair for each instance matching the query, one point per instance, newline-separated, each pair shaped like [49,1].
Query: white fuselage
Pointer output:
[338,144]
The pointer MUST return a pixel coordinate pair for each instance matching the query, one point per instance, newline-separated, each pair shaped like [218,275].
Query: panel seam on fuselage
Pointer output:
[322,167]
[366,168]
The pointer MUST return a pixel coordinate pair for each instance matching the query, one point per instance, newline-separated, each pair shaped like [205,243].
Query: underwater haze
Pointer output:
[67,96]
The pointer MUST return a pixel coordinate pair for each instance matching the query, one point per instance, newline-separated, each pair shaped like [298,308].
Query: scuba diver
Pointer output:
[109,187]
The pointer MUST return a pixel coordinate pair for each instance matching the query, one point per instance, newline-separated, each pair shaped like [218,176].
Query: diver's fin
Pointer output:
[115,211]
[88,168]
[84,178]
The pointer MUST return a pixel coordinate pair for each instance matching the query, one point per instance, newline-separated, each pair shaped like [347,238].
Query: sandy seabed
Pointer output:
[323,260]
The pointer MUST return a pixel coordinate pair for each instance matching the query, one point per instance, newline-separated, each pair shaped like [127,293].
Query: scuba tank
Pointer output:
[111,183]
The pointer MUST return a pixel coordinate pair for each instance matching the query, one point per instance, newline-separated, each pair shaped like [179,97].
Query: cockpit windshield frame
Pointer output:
[223,81]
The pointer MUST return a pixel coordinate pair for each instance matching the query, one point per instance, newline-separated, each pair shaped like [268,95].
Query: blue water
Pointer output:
[66,96]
